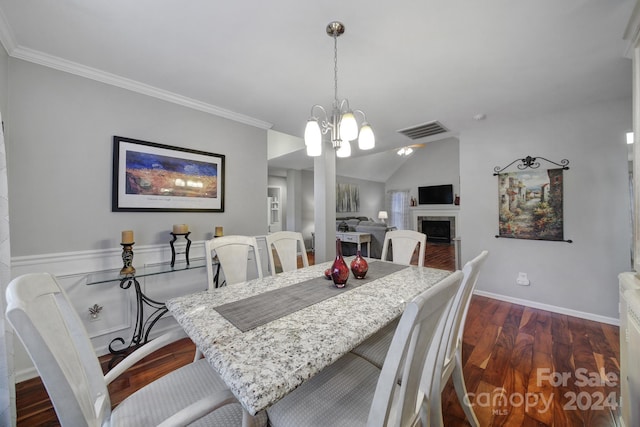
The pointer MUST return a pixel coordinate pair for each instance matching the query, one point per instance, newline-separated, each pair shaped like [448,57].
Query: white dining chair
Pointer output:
[354,392]
[450,355]
[287,245]
[233,256]
[375,348]
[55,339]
[403,245]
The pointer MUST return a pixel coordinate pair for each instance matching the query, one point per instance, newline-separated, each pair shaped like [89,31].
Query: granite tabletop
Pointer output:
[262,365]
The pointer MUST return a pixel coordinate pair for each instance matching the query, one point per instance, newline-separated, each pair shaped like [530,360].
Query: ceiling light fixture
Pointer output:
[405,151]
[342,123]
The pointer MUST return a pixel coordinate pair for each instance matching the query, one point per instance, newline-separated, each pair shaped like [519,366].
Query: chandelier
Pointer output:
[341,124]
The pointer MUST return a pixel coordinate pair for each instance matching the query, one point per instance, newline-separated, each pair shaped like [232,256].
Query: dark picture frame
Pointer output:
[151,177]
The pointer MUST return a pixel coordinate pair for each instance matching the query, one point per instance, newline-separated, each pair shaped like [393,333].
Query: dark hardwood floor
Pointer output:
[522,366]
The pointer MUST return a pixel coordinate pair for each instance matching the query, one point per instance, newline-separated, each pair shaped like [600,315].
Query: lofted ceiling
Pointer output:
[404,63]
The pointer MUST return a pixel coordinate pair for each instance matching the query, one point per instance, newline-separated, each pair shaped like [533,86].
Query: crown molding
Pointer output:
[632,31]
[7,38]
[71,67]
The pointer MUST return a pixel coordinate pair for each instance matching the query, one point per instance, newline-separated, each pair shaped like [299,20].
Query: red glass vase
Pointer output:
[359,266]
[339,269]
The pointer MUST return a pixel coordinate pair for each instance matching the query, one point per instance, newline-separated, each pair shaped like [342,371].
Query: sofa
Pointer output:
[364,225]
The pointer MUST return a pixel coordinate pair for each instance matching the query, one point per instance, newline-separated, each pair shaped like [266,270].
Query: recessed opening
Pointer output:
[437,231]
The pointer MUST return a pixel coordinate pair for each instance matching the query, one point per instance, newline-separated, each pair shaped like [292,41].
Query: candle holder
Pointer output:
[127,259]
[173,250]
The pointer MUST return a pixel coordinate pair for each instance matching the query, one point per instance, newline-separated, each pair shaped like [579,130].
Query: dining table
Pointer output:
[267,336]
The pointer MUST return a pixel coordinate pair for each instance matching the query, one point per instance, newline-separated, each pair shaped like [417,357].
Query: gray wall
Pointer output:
[59,146]
[371,197]
[4,81]
[581,276]
[371,201]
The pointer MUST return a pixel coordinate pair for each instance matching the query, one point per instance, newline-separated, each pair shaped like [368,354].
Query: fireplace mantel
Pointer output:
[426,211]
[434,211]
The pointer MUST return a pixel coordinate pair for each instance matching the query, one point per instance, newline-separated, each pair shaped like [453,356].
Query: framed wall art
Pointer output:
[530,201]
[347,198]
[150,177]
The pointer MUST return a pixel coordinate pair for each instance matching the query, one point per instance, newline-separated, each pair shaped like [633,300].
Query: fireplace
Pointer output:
[437,231]
[438,228]
[449,214]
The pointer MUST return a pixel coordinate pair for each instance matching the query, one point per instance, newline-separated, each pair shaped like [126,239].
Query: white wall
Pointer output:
[434,164]
[581,276]
[59,144]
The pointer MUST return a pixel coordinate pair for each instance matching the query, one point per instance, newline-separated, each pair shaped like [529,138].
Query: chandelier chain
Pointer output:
[342,121]
[335,70]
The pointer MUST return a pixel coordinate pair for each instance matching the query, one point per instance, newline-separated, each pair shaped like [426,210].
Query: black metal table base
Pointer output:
[144,324]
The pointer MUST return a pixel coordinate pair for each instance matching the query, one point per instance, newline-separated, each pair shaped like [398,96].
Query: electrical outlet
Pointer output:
[522,279]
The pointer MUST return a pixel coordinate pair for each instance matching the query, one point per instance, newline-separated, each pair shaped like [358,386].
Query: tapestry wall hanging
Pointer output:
[530,201]
[347,198]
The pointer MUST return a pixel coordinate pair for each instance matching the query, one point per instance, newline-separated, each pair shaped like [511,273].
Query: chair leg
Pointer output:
[257,420]
[435,407]
[461,390]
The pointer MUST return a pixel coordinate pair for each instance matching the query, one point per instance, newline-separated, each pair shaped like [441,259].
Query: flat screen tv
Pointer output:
[435,195]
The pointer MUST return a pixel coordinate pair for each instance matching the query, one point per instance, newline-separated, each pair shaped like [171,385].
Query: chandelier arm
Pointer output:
[364,116]
[322,119]
[341,106]
[321,108]
[325,126]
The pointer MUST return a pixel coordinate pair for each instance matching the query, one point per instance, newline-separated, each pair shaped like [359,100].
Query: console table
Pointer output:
[355,237]
[144,322]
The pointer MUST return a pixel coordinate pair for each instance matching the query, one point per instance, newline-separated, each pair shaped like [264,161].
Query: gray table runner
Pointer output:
[258,310]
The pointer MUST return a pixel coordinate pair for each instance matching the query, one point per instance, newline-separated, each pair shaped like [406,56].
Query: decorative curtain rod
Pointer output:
[530,163]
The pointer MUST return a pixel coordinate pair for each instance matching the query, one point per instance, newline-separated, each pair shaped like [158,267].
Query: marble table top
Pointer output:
[262,365]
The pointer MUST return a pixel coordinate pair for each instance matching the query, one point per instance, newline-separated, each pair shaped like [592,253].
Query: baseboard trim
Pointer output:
[552,308]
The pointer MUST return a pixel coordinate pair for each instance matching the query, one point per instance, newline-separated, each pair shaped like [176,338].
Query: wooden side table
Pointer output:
[357,238]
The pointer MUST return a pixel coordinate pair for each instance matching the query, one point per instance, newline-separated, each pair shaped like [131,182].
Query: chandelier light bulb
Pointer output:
[348,127]
[344,150]
[366,140]
[313,138]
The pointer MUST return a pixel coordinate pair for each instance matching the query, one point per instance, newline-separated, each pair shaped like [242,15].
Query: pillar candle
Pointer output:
[218,231]
[127,236]
[180,228]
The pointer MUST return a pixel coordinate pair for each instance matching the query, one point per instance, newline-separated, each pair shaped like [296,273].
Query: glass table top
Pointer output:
[114,275]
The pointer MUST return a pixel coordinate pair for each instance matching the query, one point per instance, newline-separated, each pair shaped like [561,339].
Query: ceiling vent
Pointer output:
[424,130]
